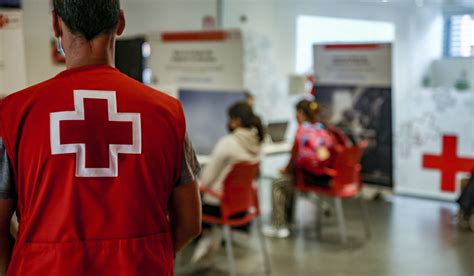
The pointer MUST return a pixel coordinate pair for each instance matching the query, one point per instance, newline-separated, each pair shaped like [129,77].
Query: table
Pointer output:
[277,148]
[268,149]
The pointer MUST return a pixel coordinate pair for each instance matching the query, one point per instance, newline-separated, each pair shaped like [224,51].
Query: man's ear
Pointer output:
[121,23]
[56,25]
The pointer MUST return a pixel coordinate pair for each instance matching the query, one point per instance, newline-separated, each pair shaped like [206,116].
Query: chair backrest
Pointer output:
[347,165]
[239,191]
[341,140]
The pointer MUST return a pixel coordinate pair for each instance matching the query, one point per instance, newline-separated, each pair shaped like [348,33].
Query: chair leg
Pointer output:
[341,220]
[294,221]
[229,250]
[319,218]
[365,214]
[263,245]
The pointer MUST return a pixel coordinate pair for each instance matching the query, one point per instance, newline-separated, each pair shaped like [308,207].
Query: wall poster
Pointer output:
[354,82]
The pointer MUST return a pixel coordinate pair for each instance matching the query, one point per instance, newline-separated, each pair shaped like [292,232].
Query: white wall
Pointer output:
[426,41]
[38,34]
[143,16]
[276,19]
[12,58]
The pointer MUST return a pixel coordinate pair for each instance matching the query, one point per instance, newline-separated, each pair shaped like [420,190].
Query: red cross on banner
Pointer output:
[449,163]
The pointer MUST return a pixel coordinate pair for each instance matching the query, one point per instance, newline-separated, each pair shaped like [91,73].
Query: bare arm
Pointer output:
[185,214]
[7,207]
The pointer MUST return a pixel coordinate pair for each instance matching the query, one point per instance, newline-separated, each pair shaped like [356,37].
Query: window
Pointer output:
[318,30]
[460,35]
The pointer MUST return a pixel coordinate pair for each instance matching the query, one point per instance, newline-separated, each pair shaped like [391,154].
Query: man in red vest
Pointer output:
[96,165]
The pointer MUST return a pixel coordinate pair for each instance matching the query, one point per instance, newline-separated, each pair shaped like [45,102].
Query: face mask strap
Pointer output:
[59,45]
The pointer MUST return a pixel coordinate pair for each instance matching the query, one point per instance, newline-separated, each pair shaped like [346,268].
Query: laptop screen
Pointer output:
[277,131]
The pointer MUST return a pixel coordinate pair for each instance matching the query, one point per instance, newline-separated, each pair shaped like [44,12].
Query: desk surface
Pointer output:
[268,149]
[277,148]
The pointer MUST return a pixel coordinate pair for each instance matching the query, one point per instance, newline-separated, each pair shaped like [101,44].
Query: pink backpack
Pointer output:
[311,138]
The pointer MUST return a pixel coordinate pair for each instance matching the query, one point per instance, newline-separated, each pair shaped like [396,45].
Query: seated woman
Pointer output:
[242,144]
[311,153]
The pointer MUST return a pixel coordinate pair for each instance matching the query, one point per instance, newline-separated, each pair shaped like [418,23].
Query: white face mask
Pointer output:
[59,47]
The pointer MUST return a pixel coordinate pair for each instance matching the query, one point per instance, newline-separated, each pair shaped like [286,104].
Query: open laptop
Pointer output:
[277,131]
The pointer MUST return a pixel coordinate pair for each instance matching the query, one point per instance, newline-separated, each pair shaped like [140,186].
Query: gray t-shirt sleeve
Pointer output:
[191,168]
[7,185]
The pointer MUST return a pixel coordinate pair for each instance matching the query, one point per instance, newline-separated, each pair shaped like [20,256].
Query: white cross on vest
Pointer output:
[80,127]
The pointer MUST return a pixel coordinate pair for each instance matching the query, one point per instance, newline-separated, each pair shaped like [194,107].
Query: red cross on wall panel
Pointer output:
[448,163]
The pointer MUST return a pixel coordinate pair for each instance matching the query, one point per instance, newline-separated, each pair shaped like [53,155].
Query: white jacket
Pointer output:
[242,145]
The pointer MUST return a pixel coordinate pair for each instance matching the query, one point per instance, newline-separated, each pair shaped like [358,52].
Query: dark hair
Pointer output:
[88,18]
[248,95]
[309,108]
[245,113]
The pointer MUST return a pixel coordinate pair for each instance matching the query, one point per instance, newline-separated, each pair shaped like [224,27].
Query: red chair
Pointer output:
[239,196]
[345,183]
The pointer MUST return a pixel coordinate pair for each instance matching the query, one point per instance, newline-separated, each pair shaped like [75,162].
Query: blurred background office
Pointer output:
[395,79]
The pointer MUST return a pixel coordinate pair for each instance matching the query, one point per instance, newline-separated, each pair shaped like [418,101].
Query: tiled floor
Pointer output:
[410,237]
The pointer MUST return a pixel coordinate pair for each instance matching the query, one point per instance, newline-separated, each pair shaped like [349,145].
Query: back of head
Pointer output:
[310,109]
[89,18]
[247,117]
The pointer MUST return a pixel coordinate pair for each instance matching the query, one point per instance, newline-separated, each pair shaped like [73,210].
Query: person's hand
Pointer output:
[14,226]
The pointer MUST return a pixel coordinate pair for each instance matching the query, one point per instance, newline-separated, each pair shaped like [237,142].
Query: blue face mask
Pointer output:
[59,47]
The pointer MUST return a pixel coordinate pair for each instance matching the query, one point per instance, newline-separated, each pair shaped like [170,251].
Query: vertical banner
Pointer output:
[198,60]
[205,70]
[435,142]
[12,54]
[354,82]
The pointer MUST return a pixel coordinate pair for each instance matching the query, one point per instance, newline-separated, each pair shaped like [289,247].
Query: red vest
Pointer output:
[95,156]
